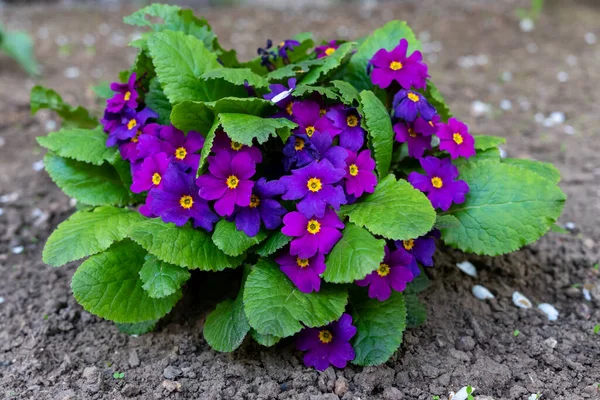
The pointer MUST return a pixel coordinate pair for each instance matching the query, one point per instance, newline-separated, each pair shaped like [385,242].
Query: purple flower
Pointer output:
[128,126]
[150,173]
[178,201]
[228,182]
[311,118]
[417,135]
[359,173]
[407,104]
[439,182]
[281,96]
[312,235]
[303,272]
[422,250]
[266,54]
[314,186]
[393,273]
[262,207]
[180,147]
[328,345]
[456,139]
[394,65]
[143,144]
[145,208]
[352,136]
[284,47]
[125,96]
[298,151]
[223,143]
[327,49]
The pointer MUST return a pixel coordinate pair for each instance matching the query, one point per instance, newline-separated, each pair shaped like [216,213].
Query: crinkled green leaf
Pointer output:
[86,145]
[88,232]
[356,255]
[299,53]
[139,328]
[418,284]
[395,210]
[19,46]
[378,124]
[276,307]
[184,246]
[108,285]
[436,99]
[348,93]
[244,128]
[103,90]
[90,184]
[162,11]
[264,340]
[297,70]
[386,37]
[237,76]
[379,324]
[302,90]
[507,207]
[158,102]
[162,279]
[273,243]
[226,327]
[45,98]
[543,169]
[446,221]
[329,64]
[208,143]
[416,313]
[485,142]
[233,242]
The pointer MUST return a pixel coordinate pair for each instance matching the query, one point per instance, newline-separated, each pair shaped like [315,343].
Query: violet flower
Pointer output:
[312,235]
[299,151]
[360,177]
[395,65]
[308,115]
[422,250]
[408,104]
[417,135]
[125,96]
[327,49]
[150,173]
[223,143]
[303,272]
[456,139]
[352,136]
[284,47]
[262,207]
[131,122]
[392,273]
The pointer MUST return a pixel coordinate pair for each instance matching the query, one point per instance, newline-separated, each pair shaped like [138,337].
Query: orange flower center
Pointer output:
[408,244]
[302,262]
[413,97]
[314,185]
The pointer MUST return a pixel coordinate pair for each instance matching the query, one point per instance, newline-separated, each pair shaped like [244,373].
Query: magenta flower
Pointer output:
[125,96]
[456,139]
[125,126]
[439,182]
[262,208]
[347,120]
[228,182]
[223,143]
[145,208]
[408,104]
[303,272]
[395,65]
[131,149]
[311,119]
[393,273]
[180,147]
[328,345]
[417,135]
[360,177]
[312,235]
[327,49]
[314,186]
[299,151]
[177,201]
[422,250]
[149,174]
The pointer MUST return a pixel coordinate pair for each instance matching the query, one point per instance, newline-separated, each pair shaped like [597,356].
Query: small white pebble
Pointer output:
[572,60]
[1,300]
[17,249]
[2,141]
[9,198]
[479,108]
[462,394]
[549,310]
[50,125]
[466,62]
[1,212]
[503,153]
[590,38]
[507,76]
[570,226]
[526,25]
[468,268]
[72,73]
[38,165]
[104,29]
[435,141]
[569,130]
[73,202]
[586,294]
[506,105]
[557,117]
[481,59]
[481,292]
[521,301]
[562,76]
[535,396]
[532,47]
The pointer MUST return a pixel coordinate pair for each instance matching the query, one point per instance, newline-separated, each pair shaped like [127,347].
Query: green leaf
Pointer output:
[302,90]
[233,242]
[19,46]
[226,327]
[103,90]
[507,207]
[378,124]
[44,98]
[108,285]
[396,211]
[329,64]
[237,76]
[162,11]
[245,128]
[418,284]
[158,102]
[264,340]
[84,145]
[208,143]
[386,37]
[485,142]
[88,232]
[348,93]
[89,184]
[184,246]
[356,255]
[380,325]
[543,169]
[436,99]
[558,229]
[296,70]
[276,307]
[179,60]
[137,329]
[273,243]
[446,222]
[162,279]
[416,313]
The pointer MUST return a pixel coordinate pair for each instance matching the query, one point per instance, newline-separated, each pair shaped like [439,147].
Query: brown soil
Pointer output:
[51,349]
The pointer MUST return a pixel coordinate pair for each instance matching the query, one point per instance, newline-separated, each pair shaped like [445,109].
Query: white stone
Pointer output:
[549,310]
[9,198]
[468,268]
[462,394]
[527,25]
[507,76]
[557,117]
[506,105]
[562,76]
[479,108]
[38,165]
[17,249]
[482,293]
[1,300]
[521,301]
[570,226]
[569,130]
[50,125]
[503,152]
[590,38]
[72,73]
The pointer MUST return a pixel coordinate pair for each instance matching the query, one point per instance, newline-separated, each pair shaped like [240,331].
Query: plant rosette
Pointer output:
[326,174]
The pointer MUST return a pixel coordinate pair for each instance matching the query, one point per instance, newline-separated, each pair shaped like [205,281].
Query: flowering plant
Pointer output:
[327,174]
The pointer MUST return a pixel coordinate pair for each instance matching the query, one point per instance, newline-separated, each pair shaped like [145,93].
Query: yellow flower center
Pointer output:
[457,137]
[313,226]
[156,178]
[437,182]
[310,130]
[322,112]
[408,244]
[232,182]
[180,153]
[186,202]
[395,65]
[411,132]
[352,121]
[131,124]
[236,146]
[127,96]
[281,44]
[383,269]
[254,201]
[353,169]
[413,97]
[288,108]
[299,144]
[302,262]
[314,185]
[136,137]
[431,124]
[329,51]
